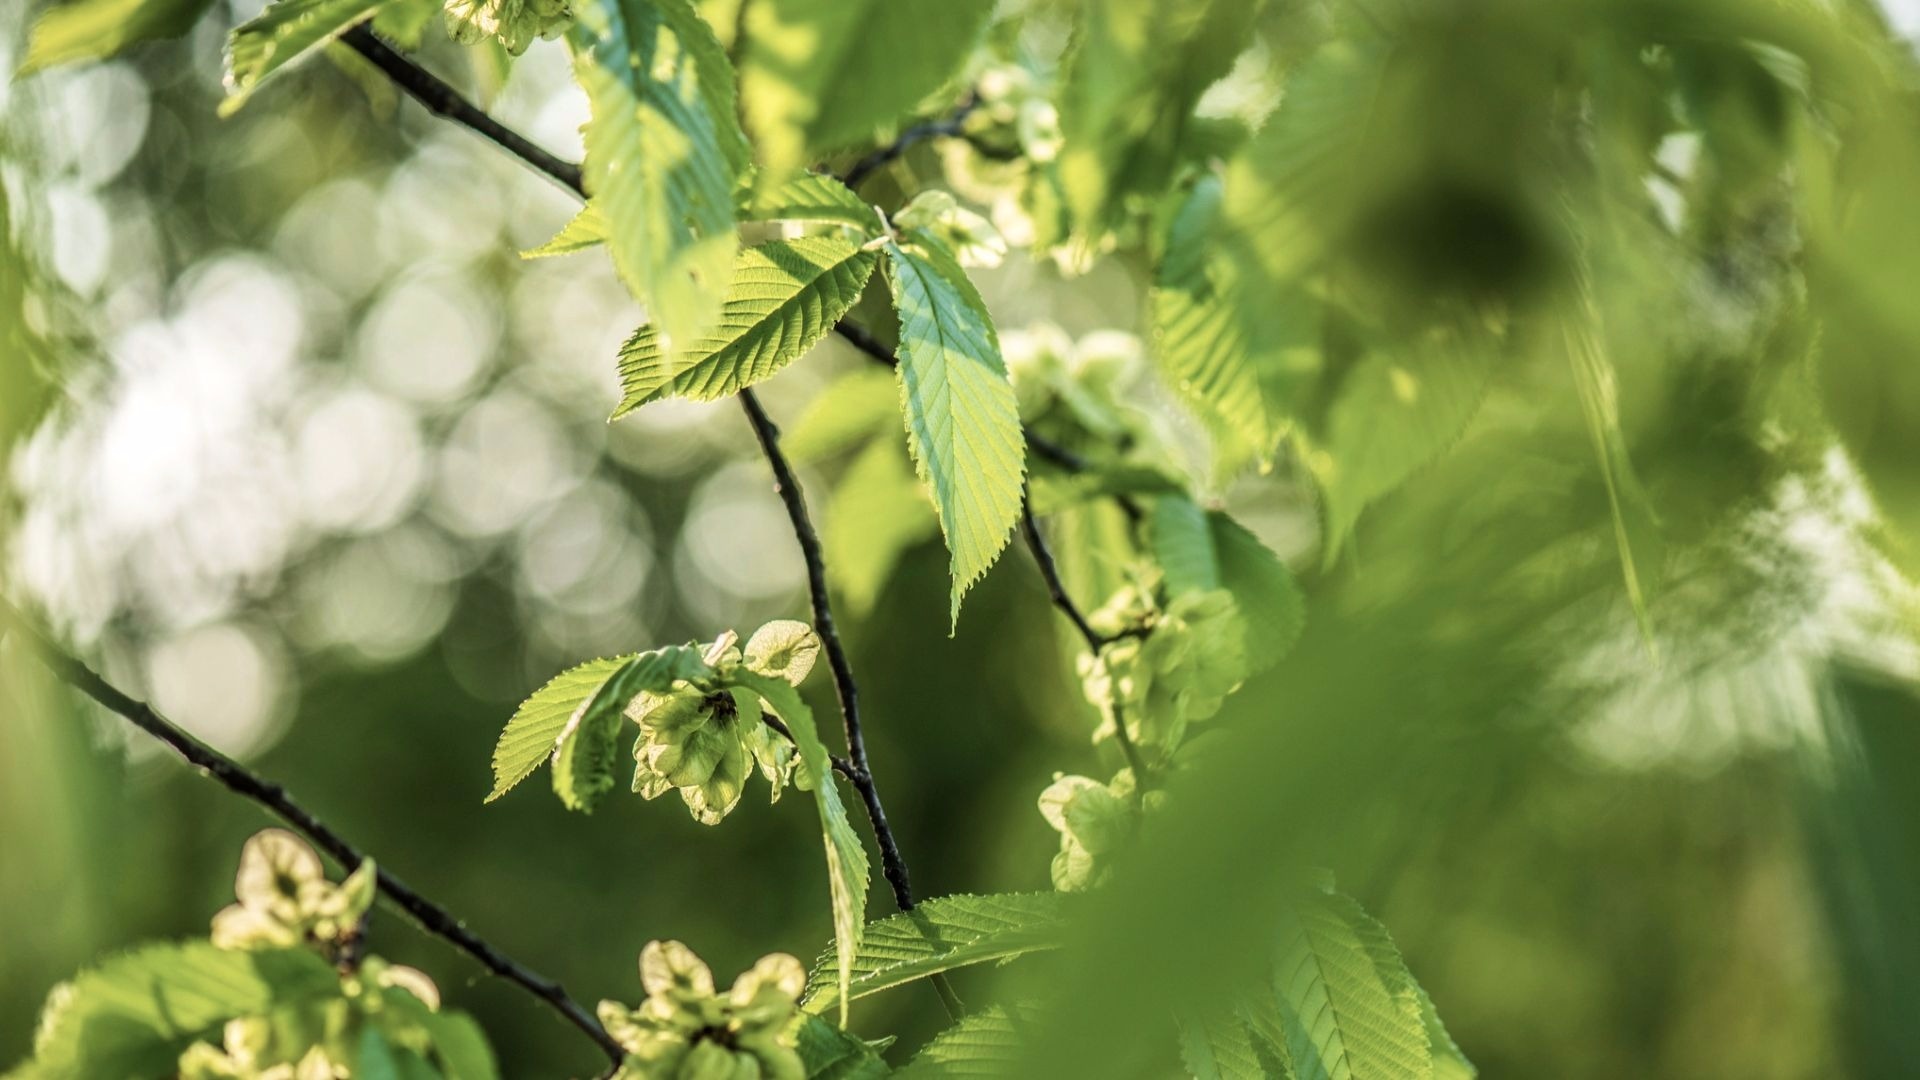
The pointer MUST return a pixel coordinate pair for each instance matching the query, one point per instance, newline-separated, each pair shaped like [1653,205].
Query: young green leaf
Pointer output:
[810,197]
[846,857]
[1183,545]
[281,35]
[786,295]
[133,1014]
[878,512]
[1349,1006]
[661,155]
[963,423]
[585,753]
[831,1053]
[941,935]
[1228,354]
[987,1043]
[1269,599]
[584,230]
[857,406]
[821,75]
[97,29]
[1131,85]
[1449,1062]
[1220,1048]
[529,737]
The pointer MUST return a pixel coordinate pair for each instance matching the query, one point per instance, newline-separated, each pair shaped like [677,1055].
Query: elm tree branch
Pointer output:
[274,799]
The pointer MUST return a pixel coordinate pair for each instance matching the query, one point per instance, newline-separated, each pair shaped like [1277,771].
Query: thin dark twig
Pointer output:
[1096,641]
[907,139]
[860,774]
[272,797]
[442,99]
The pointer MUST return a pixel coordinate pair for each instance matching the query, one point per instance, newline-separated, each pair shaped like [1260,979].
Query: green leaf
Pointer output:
[1449,1063]
[831,1053]
[1220,1049]
[97,29]
[859,405]
[460,1046]
[963,423]
[1130,89]
[1183,545]
[878,513]
[1230,354]
[941,935]
[1206,549]
[811,197]
[1393,415]
[786,295]
[1269,599]
[282,35]
[529,737]
[1349,1006]
[987,1043]
[586,229]
[661,161]
[586,751]
[821,75]
[846,856]
[134,1014]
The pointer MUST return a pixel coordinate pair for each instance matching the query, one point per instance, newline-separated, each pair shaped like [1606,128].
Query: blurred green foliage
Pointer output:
[1589,323]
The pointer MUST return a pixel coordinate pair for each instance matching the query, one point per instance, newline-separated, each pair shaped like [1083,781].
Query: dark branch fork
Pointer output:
[272,797]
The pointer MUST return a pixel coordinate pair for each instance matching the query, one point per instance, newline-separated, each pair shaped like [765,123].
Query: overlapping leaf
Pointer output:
[284,33]
[663,153]
[963,424]
[529,737]
[820,75]
[988,1043]
[1139,69]
[1349,1006]
[941,935]
[586,752]
[785,296]
[1206,549]
[846,856]
[96,29]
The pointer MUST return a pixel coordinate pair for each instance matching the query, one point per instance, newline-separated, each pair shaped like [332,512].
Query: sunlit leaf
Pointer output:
[963,423]
[986,1043]
[785,296]
[586,751]
[529,737]
[878,512]
[661,157]
[96,29]
[282,35]
[941,935]
[820,75]
[1137,71]
[846,856]
[1350,1007]
[586,229]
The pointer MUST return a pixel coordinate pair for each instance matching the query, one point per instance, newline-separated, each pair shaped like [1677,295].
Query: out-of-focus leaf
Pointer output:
[1206,549]
[963,423]
[661,156]
[821,75]
[785,296]
[1220,1048]
[878,512]
[941,935]
[132,1015]
[1137,71]
[1394,414]
[855,407]
[281,36]
[97,29]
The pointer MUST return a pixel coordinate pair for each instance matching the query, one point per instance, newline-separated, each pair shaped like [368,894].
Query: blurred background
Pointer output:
[330,483]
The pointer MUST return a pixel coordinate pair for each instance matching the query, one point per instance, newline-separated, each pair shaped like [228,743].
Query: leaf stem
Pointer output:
[273,798]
